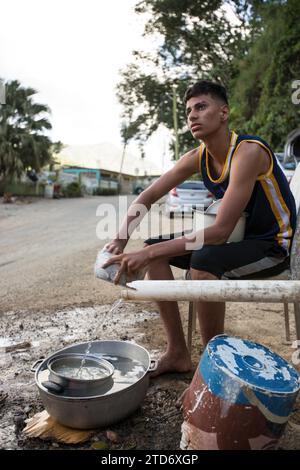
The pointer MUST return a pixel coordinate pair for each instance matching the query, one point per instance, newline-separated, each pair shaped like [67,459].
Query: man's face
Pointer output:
[205,115]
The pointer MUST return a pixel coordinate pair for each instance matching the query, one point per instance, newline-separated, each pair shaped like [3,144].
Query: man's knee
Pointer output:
[198,275]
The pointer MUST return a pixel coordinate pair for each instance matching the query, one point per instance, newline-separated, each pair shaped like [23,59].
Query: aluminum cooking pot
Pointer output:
[77,373]
[117,398]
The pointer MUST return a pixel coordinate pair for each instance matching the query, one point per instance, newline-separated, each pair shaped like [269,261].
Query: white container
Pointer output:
[109,273]
[204,219]
[49,190]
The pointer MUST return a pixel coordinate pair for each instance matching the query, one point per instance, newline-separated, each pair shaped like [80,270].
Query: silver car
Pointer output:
[288,168]
[187,196]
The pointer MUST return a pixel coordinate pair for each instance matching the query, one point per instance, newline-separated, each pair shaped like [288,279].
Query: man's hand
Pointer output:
[129,263]
[116,246]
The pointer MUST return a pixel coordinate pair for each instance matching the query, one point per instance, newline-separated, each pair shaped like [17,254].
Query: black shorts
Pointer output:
[247,259]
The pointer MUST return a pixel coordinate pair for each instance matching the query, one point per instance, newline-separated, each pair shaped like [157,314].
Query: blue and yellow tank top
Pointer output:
[271,209]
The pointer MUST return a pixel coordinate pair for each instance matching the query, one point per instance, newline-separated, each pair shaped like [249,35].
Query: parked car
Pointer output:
[140,184]
[280,156]
[138,190]
[187,196]
[288,168]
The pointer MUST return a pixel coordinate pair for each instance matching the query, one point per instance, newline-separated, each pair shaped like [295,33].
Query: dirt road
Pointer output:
[50,298]
[47,251]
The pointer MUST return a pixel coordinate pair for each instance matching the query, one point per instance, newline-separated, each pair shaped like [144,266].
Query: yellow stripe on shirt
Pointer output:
[201,148]
[225,169]
[270,170]
[284,207]
[279,209]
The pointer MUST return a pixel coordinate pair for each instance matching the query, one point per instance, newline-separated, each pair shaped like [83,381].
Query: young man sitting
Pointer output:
[242,171]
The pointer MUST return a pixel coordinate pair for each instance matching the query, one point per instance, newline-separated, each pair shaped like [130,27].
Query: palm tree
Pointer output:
[23,123]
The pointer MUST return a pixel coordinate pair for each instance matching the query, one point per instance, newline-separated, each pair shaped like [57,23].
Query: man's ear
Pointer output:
[224,112]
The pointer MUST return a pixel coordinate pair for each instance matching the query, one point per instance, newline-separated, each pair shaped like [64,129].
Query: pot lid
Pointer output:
[80,367]
[130,361]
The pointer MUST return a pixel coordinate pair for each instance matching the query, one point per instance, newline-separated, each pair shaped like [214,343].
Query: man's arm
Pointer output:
[183,169]
[249,162]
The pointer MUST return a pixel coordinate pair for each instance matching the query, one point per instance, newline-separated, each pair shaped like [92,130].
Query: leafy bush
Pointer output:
[73,189]
[105,191]
[18,188]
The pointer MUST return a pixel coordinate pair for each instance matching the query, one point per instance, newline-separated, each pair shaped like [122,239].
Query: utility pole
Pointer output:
[121,167]
[175,123]
[124,135]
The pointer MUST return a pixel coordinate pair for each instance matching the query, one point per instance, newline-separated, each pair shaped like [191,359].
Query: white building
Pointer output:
[111,161]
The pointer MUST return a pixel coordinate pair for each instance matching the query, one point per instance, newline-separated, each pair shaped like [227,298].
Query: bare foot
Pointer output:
[170,363]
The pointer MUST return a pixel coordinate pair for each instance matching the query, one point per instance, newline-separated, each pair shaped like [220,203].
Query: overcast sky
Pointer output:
[71,52]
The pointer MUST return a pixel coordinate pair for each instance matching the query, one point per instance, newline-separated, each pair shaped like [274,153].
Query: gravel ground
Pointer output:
[50,299]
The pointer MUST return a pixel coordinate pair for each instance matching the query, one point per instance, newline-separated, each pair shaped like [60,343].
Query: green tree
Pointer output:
[23,127]
[257,58]
[262,91]
[195,39]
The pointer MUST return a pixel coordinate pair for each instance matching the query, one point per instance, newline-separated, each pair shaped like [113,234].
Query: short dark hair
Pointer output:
[206,87]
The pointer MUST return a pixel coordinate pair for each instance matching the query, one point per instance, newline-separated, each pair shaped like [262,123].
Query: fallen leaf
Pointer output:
[99,445]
